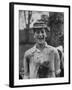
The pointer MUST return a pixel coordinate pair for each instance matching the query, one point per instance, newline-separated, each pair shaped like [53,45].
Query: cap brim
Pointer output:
[46,28]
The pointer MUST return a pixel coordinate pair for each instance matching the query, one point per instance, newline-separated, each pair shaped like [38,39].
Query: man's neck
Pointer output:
[40,46]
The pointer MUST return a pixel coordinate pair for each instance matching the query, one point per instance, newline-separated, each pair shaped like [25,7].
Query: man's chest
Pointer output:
[42,62]
[42,56]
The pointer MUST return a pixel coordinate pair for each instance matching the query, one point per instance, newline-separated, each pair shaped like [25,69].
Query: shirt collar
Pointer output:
[35,48]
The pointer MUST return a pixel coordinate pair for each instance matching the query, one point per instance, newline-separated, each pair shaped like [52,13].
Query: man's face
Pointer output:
[40,36]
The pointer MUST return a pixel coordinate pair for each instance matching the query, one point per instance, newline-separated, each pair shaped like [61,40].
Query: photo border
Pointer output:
[11,42]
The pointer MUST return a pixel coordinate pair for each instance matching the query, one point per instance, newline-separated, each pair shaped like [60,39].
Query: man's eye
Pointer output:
[42,31]
[38,32]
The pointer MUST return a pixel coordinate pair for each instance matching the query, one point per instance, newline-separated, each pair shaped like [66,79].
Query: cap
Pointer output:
[39,25]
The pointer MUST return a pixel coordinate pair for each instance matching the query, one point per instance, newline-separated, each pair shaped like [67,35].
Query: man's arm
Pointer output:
[26,73]
[57,64]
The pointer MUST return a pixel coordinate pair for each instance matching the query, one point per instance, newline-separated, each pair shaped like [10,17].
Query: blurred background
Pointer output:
[55,34]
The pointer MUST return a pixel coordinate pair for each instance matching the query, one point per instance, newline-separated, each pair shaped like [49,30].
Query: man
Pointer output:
[42,60]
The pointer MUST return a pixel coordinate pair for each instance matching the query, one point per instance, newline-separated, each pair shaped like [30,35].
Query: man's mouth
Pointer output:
[41,38]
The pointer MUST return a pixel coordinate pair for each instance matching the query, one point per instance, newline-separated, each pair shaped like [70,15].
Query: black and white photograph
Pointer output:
[41,44]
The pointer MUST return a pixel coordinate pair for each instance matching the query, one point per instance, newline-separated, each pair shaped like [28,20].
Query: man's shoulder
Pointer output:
[30,51]
[52,48]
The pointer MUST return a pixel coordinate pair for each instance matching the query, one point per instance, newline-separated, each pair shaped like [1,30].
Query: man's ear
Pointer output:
[45,35]
[34,36]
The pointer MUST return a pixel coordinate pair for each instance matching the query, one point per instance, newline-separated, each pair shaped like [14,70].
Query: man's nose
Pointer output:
[40,34]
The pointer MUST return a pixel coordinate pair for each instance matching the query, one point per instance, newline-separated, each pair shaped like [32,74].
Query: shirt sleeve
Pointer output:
[62,60]
[57,63]
[26,74]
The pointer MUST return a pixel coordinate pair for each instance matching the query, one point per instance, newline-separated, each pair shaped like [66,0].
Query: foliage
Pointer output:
[56,23]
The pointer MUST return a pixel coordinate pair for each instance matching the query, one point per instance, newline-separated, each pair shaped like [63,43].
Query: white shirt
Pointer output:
[33,58]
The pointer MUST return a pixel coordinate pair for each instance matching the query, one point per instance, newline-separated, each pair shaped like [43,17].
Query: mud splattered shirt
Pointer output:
[48,59]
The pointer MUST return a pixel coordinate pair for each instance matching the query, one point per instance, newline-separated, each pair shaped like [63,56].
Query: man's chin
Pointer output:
[41,42]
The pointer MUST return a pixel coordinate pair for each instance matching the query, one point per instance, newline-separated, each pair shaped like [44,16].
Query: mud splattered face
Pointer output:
[40,36]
